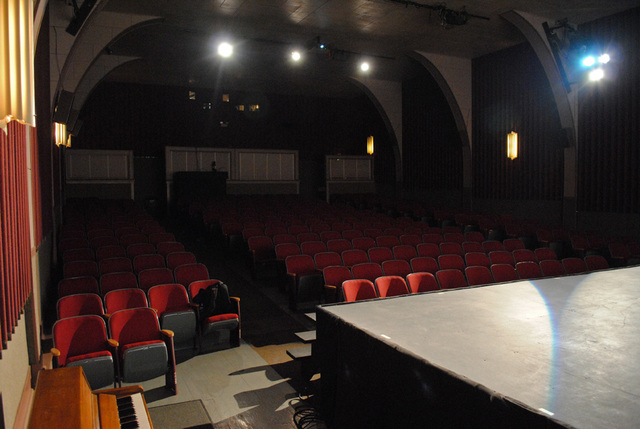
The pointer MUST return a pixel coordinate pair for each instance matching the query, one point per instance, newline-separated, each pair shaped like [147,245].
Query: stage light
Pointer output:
[364,66]
[225,49]
[512,145]
[370,145]
[296,56]
[596,75]
[604,58]
[588,61]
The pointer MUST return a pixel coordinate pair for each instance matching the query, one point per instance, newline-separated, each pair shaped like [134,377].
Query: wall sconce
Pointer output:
[62,139]
[370,145]
[512,145]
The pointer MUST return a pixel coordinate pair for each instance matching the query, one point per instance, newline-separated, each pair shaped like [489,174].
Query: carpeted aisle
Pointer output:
[184,415]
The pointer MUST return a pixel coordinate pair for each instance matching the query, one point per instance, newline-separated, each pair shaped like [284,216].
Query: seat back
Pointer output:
[552,268]
[300,265]
[338,245]
[330,235]
[176,259]
[391,286]
[115,265]
[405,252]
[432,237]
[478,275]
[117,280]
[133,325]
[153,277]
[422,282]
[74,285]
[388,240]
[453,237]
[326,259]
[477,259]
[367,270]
[113,251]
[134,250]
[491,246]
[529,270]
[574,265]
[97,242]
[380,254]
[358,289]
[81,254]
[350,234]
[144,262]
[596,262]
[451,262]
[522,255]
[472,246]
[424,264]
[80,269]
[166,247]
[335,275]
[185,274]
[428,249]
[511,244]
[351,257]
[545,253]
[396,267]
[120,299]
[411,239]
[129,239]
[79,305]
[283,250]
[475,236]
[363,243]
[503,273]
[501,257]
[284,238]
[79,335]
[451,248]
[307,236]
[451,279]
[159,237]
[168,298]
[312,247]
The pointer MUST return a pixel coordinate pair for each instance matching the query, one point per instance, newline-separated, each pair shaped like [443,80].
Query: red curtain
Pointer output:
[15,245]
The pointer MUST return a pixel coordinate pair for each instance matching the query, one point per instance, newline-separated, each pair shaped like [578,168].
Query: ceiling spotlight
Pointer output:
[225,50]
[596,75]
[604,58]
[588,61]
[364,66]
[295,56]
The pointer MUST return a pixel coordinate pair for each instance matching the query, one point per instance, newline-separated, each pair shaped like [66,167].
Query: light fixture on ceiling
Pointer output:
[225,49]
[370,145]
[512,145]
[296,56]
[365,66]
[61,137]
[448,17]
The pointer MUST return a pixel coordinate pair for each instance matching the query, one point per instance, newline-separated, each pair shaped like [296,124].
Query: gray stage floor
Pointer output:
[567,347]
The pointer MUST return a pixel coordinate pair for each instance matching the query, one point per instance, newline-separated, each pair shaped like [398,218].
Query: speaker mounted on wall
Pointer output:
[63,107]
[80,13]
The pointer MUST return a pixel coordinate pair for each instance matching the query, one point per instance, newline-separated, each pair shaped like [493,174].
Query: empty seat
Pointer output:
[422,282]
[312,247]
[350,234]
[428,249]
[491,246]
[284,238]
[522,255]
[175,313]
[501,257]
[425,264]
[188,273]
[363,243]
[511,244]
[552,268]
[330,235]
[338,245]
[73,243]
[392,230]
[451,248]
[380,254]
[175,259]
[326,259]
[545,253]
[97,242]
[159,237]
[358,290]
[166,247]
[574,265]
[334,276]
[80,269]
[113,251]
[120,299]
[286,249]
[115,265]
[144,350]
[117,280]
[472,246]
[153,277]
[80,304]
[367,270]
[391,285]
[478,275]
[449,262]
[410,239]
[307,236]
[129,239]
[435,238]
[352,257]
[451,279]
[477,259]
[596,262]
[529,270]
[304,281]
[396,267]
[144,262]
[453,237]
[405,252]
[82,341]
[126,230]
[372,232]
[136,249]
[474,236]
[81,254]
[74,285]
[387,241]
[503,273]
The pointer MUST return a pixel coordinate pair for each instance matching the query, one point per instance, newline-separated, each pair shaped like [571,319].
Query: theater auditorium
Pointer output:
[319,214]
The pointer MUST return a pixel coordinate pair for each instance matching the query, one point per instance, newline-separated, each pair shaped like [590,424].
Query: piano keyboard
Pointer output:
[132,412]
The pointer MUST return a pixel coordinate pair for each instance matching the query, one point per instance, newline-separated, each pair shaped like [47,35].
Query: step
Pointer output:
[303,352]
[307,336]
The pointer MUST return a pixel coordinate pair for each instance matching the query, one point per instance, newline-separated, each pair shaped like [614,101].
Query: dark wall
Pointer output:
[609,118]
[146,118]
[431,145]
[511,93]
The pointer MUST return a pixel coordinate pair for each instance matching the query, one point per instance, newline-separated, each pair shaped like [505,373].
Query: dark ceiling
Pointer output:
[180,49]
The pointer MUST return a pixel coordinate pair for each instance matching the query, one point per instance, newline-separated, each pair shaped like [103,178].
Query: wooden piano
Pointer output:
[63,399]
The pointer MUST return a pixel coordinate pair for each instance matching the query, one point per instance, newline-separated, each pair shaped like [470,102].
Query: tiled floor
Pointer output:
[255,385]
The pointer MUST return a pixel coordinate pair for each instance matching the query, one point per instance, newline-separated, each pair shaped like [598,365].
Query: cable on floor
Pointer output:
[305,416]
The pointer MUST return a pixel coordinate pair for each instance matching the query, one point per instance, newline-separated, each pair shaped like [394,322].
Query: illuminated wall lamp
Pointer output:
[370,145]
[512,145]
[62,139]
